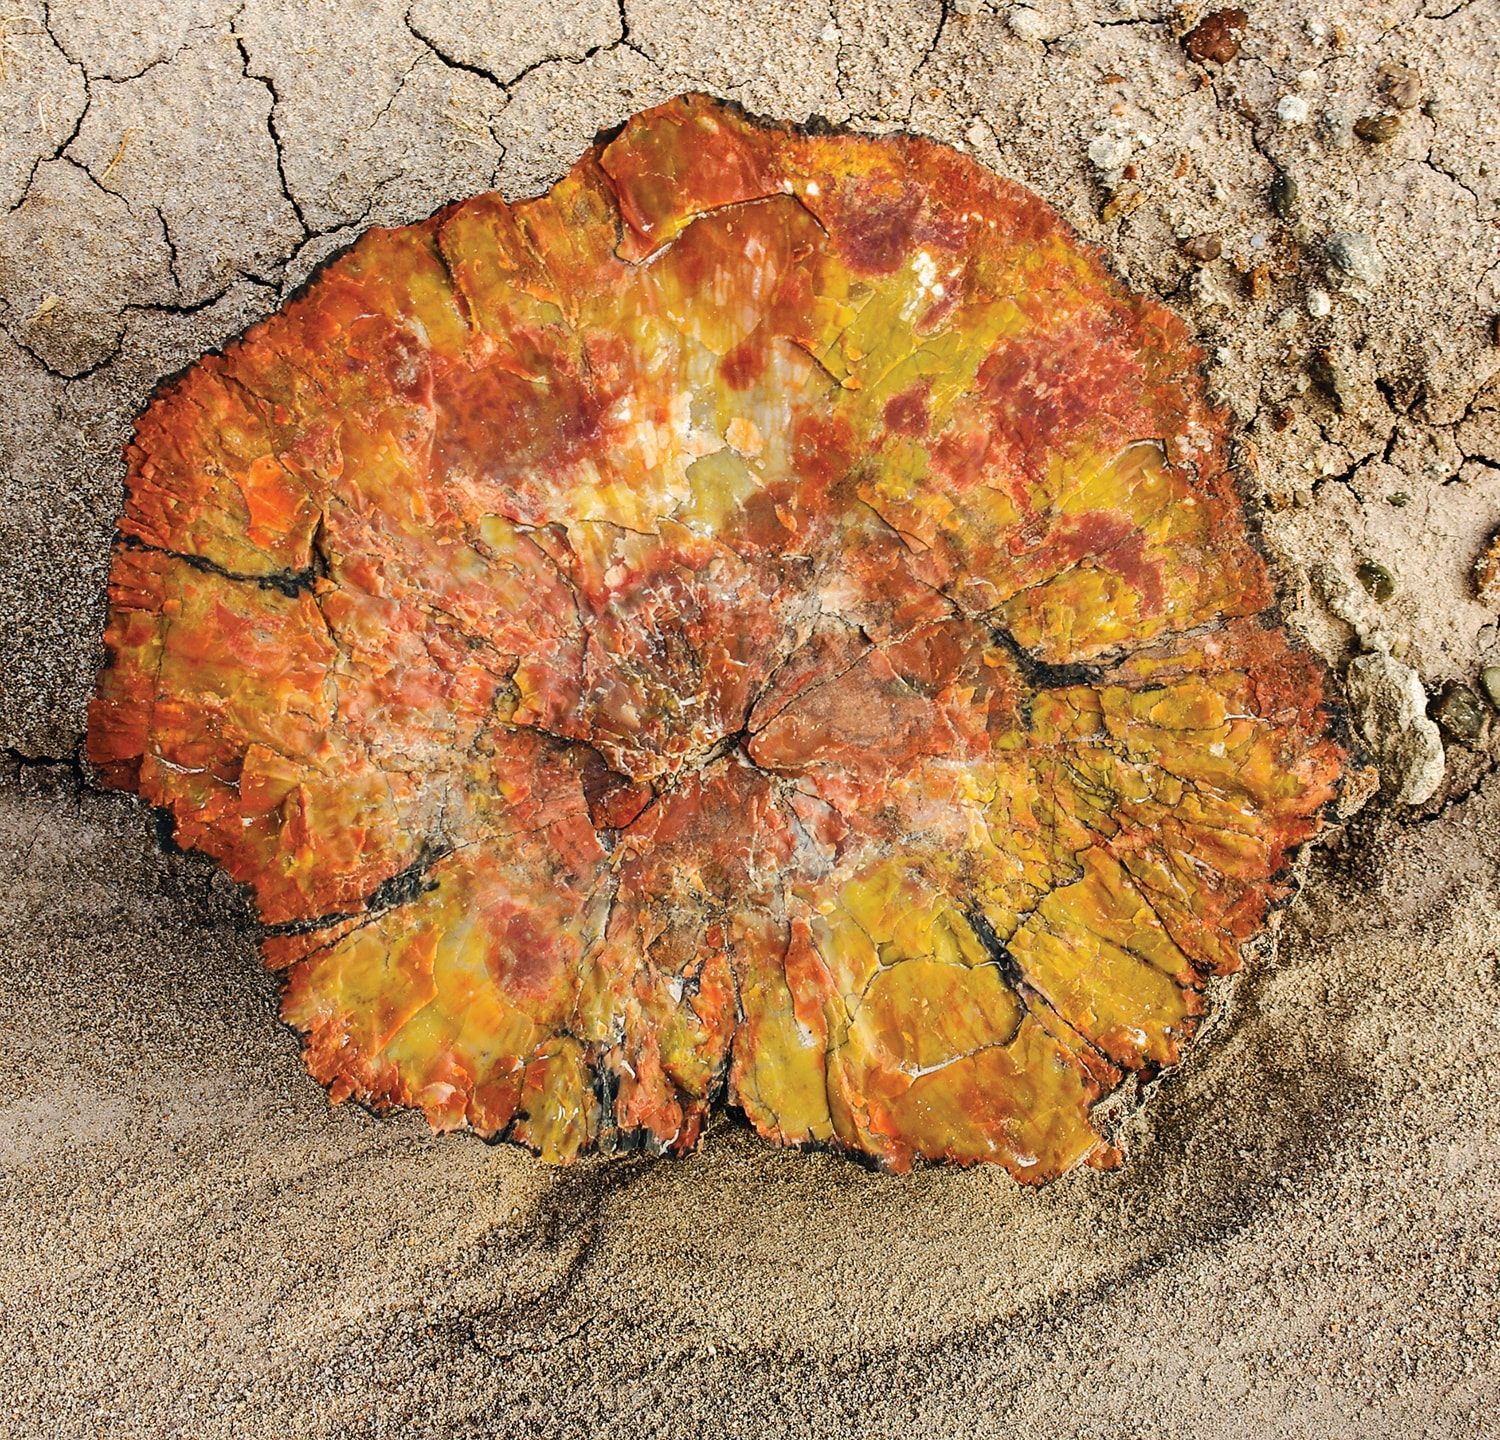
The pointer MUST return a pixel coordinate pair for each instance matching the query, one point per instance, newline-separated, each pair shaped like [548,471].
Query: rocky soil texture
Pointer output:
[1301,1239]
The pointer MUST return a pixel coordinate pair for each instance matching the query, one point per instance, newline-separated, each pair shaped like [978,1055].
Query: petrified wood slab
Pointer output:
[768,618]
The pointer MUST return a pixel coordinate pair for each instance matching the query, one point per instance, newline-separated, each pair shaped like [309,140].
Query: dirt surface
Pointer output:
[1303,1237]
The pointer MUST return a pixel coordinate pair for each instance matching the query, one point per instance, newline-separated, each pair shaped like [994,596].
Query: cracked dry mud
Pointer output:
[770,614]
[1303,1240]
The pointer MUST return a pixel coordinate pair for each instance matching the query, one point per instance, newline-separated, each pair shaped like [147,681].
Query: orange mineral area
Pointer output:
[767,620]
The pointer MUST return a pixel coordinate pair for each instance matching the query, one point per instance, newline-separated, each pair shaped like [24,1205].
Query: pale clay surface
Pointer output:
[1304,1237]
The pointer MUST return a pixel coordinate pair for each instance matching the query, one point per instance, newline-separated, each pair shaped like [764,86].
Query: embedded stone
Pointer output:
[1355,263]
[1461,714]
[1217,36]
[1401,85]
[1487,573]
[1377,129]
[1203,248]
[1379,583]
[1489,682]
[1390,708]
[1284,194]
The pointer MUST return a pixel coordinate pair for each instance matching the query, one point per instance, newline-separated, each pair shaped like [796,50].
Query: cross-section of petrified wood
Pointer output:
[768,618]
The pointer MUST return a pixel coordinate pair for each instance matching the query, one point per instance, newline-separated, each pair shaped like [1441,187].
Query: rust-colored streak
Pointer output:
[766,619]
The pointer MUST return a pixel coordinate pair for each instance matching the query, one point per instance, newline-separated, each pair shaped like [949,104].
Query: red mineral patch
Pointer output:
[766,621]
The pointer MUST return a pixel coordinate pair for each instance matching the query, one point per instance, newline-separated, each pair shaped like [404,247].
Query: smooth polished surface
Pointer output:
[769,615]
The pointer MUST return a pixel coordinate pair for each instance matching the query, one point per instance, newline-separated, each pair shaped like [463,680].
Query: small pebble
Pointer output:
[1401,85]
[1217,36]
[1379,583]
[1318,304]
[1203,247]
[1354,259]
[830,34]
[1377,129]
[1291,110]
[1335,131]
[1120,204]
[1461,713]
[1400,499]
[976,134]
[1332,380]
[1389,707]
[1208,290]
[1110,152]
[1027,24]
[1307,80]
[1489,682]
[1487,573]
[1284,192]
[1432,108]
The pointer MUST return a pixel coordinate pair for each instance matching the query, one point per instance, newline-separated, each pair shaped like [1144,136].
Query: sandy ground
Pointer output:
[1305,1237]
